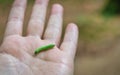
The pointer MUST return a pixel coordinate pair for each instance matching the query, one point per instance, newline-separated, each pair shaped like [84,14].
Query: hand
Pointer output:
[17,52]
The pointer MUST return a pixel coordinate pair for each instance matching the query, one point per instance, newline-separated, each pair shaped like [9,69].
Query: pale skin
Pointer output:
[17,51]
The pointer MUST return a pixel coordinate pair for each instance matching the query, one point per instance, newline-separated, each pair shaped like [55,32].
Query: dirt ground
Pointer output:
[98,46]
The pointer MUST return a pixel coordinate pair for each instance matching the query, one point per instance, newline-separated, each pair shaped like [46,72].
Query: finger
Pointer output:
[36,24]
[15,20]
[54,29]
[69,43]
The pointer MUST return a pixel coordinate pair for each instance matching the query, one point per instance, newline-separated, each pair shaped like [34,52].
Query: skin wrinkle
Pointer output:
[36,22]
[30,69]
[17,65]
[46,58]
[56,63]
[15,12]
[36,13]
[28,63]
[65,64]
[19,61]
[53,36]
[17,6]
[55,21]
[14,52]
[56,10]
[11,60]
[7,35]
[32,46]
[15,69]
[19,3]
[42,2]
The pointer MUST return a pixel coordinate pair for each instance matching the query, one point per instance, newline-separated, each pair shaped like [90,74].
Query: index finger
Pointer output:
[69,43]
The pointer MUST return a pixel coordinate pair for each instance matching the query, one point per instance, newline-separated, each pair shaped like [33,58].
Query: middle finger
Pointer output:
[36,24]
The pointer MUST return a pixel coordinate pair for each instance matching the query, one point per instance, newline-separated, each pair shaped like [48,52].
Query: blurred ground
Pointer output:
[98,48]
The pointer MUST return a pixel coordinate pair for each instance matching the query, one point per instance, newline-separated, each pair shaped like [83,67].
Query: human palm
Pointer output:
[17,52]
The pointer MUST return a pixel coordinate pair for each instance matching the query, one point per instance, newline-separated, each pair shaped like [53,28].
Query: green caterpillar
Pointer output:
[44,48]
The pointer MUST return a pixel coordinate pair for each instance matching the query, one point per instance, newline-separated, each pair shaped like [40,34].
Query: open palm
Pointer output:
[17,52]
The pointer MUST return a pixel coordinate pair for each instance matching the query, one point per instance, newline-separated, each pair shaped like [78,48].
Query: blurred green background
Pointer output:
[98,46]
